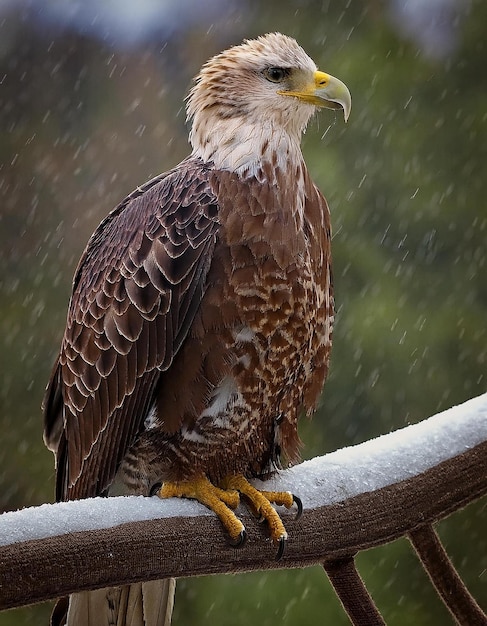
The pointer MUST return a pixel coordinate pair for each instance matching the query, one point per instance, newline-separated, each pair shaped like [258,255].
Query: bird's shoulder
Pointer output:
[175,204]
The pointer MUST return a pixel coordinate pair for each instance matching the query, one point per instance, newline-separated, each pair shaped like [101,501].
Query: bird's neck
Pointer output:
[247,149]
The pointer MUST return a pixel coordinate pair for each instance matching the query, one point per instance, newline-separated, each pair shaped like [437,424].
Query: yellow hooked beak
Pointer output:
[325,91]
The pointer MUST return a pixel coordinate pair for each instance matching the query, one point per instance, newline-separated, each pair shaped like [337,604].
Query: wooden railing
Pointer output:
[398,485]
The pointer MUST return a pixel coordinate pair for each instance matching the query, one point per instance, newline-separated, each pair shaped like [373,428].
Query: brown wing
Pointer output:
[135,294]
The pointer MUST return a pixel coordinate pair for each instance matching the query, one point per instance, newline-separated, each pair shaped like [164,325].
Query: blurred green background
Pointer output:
[91,100]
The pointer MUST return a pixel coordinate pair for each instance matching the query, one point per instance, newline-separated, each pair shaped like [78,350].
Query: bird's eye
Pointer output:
[276,74]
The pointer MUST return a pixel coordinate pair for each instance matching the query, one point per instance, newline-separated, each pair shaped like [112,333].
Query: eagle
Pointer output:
[200,322]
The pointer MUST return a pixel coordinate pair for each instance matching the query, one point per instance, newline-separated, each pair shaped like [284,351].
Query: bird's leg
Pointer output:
[260,503]
[221,501]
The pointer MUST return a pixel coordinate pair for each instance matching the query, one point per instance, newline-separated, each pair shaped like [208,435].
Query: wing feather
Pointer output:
[135,294]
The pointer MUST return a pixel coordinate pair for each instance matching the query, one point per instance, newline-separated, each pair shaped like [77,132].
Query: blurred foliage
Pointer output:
[83,122]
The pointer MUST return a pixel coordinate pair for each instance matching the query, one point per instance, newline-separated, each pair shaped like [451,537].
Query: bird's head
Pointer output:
[256,94]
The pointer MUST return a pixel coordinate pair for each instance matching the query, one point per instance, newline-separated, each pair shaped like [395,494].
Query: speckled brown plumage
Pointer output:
[182,287]
[199,327]
[263,327]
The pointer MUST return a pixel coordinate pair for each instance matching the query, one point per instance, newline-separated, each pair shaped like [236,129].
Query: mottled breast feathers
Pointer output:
[200,321]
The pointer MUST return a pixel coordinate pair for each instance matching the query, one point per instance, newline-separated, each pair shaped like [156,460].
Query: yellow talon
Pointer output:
[260,503]
[218,500]
[281,498]
[226,497]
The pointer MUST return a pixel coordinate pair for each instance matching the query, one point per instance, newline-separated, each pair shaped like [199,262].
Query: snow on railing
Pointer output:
[354,498]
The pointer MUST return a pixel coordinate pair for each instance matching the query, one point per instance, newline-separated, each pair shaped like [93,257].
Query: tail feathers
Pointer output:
[139,604]
[158,602]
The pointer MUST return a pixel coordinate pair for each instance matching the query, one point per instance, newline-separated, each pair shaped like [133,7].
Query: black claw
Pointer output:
[154,489]
[299,504]
[280,548]
[240,541]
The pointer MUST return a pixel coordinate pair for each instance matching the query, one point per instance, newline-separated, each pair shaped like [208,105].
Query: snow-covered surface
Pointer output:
[318,482]
[387,459]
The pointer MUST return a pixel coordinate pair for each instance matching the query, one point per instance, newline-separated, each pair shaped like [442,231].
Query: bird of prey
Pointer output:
[200,322]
